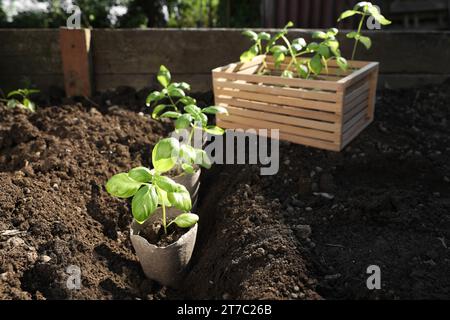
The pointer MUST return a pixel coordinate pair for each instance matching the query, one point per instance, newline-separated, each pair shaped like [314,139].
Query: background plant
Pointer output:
[321,53]
[172,102]
[150,189]
[20,98]
[364,9]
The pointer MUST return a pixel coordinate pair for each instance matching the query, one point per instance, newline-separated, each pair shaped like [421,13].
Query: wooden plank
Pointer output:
[280,91]
[285,120]
[272,108]
[332,63]
[75,47]
[373,81]
[299,83]
[336,71]
[358,108]
[359,74]
[264,124]
[349,105]
[355,131]
[283,136]
[306,104]
[350,123]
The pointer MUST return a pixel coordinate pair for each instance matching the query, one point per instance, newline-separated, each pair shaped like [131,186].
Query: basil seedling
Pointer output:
[365,9]
[150,189]
[20,98]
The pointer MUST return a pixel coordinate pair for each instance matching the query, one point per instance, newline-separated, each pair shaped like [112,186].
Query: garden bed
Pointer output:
[260,237]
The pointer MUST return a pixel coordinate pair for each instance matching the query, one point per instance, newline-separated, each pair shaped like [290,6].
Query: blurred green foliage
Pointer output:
[143,13]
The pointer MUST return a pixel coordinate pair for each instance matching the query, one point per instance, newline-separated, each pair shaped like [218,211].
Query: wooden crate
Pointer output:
[327,113]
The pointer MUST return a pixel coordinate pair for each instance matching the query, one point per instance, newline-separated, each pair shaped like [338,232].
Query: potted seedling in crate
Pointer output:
[308,91]
[163,231]
[173,103]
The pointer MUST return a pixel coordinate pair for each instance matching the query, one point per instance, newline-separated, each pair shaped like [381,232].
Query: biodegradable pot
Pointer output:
[163,264]
[191,182]
[327,113]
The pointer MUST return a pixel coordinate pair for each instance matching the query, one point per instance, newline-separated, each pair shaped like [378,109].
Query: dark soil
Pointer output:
[259,236]
[154,234]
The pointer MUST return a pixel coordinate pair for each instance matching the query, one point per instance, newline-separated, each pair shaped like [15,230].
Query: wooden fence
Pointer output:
[132,57]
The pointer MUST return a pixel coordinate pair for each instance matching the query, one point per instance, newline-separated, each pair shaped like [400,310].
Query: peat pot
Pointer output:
[163,264]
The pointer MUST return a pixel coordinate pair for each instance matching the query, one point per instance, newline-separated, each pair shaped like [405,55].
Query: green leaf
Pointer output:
[342,63]
[141,174]
[183,122]
[378,16]
[122,186]
[366,41]
[332,32]
[313,46]
[214,130]
[187,168]
[188,100]
[215,110]
[158,109]
[154,96]
[279,58]
[323,50]
[247,56]
[170,114]
[197,114]
[12,103]
[186,220]
[264,36]
[202,159]
[164,76]
[287,74]
[279,48]
[15,93]
[29,105]
[315,64]
[362,5]
[352,35]
[180,199]
[319,35]
[176,92]
[144,203]
[303,71]
[334,47]
[182,85]
[289,25]
[188,153]
[165,183]
[165,154]
[250,34]
[348,13]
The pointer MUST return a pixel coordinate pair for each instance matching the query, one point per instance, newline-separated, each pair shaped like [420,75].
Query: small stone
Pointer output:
[312,245]
[437,194]
[297,203]
[211,282]
[55,186]
[140,114]
[309,209]
[446,179]
[430,262]
[15,242]
[27,191]
[259,198]
[301,295]
[294,296]
[296,288]
[226,296]
[287,162]
[270,256]
[333,276]
[4,276]
[303,231]
[32,256]
[290,209]
[260,252]
[44,258]
[319,169]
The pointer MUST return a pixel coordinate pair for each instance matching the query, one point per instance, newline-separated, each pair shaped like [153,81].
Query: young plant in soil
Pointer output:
[364,9]
[316,54]
[187,116]
[151,189]
[20,98]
